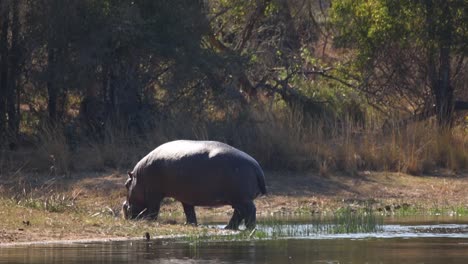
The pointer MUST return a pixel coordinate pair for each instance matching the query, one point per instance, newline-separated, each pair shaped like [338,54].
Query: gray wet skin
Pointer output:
[196,173]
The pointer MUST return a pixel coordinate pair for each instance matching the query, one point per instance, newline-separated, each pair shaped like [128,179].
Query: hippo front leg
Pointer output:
[189,211]
[153,212]
[153,207]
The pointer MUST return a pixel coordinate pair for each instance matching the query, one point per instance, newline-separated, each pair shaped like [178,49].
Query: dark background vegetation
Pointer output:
[299,84]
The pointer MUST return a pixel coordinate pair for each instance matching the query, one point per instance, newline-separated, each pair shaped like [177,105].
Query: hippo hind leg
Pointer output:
[250,215]
[235,220]
[243,211]
[190,215]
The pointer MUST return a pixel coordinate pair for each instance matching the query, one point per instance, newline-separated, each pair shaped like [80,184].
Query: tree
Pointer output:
[409,54]
[277,44]
[13,101]
[4,24]
[10,53]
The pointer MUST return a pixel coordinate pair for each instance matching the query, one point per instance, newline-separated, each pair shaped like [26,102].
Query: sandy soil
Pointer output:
[96,199]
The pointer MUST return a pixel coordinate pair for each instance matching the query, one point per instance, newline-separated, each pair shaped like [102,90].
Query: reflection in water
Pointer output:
[439,243]
[436,250]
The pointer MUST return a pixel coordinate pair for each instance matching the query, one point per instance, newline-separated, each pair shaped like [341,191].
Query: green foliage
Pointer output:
[369,25]
[403,48]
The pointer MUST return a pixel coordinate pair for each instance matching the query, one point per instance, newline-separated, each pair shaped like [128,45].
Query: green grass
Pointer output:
[452,211]
[415,210]
[407,211]
[461,210]
[344,221]
[348,220]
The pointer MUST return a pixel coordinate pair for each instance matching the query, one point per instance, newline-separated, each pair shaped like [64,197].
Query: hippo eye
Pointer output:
[128,183]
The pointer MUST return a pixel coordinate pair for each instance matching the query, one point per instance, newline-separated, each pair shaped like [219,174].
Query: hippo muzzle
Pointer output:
[132,211]
[125,209]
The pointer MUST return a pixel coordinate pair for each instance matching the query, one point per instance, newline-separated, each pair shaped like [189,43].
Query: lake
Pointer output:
[399,240]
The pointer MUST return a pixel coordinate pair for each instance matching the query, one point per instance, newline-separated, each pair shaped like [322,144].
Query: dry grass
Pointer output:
[292,142]
[282,139]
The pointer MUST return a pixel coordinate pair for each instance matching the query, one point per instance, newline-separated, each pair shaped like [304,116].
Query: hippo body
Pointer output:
[196,173]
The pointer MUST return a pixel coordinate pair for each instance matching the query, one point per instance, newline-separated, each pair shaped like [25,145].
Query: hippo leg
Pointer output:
[153,209]
[189,211]
[153,213]
[250,215]
[243,211]
[235,220]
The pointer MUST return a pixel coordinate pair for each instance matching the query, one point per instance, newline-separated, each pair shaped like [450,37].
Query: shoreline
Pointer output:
[65,241]
[87,206]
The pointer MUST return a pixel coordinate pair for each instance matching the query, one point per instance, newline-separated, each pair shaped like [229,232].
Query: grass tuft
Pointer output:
[50,201]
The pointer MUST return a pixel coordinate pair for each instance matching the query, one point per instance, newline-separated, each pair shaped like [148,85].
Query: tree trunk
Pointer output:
[13,114]
[253,19]
[439,73]
[56,45]
[444,91]
[51,84]
[446,101]
[3,70]
[291,39]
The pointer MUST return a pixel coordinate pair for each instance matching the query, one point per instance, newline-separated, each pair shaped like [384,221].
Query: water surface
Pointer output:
[428,240]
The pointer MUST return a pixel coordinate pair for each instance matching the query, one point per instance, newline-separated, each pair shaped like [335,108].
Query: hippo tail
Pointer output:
[261,182]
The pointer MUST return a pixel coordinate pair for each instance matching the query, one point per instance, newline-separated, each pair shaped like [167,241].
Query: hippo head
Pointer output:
[134,206]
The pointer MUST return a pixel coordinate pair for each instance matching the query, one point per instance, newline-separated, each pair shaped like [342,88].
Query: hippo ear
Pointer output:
[130,174]
[128,183]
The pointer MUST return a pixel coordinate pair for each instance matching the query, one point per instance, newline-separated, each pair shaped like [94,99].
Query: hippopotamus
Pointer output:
[196,173]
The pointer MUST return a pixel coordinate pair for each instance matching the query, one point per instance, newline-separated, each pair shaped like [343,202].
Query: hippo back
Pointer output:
[204,173]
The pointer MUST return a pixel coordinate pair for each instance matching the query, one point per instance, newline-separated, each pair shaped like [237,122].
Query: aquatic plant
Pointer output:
[346,220]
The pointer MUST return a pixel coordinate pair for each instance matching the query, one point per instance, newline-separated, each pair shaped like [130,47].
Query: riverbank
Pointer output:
[86,206]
